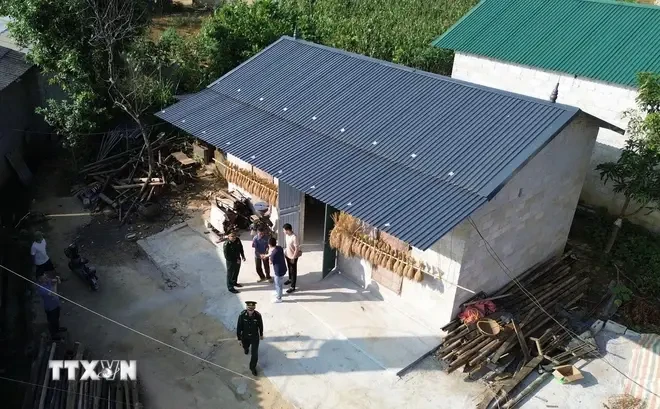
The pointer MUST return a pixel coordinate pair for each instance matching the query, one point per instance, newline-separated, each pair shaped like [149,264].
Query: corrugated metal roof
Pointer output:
[12,66]
[603,40]
[409,152]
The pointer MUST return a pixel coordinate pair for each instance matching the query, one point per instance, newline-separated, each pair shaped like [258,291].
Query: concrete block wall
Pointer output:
[607,101]
[528,221]
[432,295]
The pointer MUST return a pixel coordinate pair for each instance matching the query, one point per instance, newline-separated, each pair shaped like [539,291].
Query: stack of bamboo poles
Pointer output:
[350,240]
[46,393]
[254,184]
[555,287]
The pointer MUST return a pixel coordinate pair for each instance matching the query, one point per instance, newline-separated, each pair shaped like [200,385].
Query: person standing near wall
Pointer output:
[47,290]
[40,255]
[277,260]
[233,251]
[292,254]
[260,246]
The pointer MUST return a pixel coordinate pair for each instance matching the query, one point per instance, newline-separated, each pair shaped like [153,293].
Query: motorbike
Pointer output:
[81,266]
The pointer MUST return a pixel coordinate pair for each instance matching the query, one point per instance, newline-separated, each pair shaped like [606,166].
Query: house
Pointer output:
[431,162]
[22,130]
[591,50]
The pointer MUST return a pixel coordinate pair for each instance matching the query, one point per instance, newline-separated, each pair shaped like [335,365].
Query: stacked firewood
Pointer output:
[527,329]
[46,393]
[119,177]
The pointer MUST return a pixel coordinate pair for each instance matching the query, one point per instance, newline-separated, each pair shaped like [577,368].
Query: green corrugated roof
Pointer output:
[604,40]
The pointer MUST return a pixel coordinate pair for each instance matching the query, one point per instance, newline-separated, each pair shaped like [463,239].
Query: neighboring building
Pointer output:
[593,49]
[415,155]
[21,128]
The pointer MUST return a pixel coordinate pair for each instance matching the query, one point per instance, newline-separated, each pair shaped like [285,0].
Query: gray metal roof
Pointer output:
[409,152]
[12,66]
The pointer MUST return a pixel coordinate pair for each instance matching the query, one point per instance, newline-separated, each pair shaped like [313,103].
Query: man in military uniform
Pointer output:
[233,251]
[249,330]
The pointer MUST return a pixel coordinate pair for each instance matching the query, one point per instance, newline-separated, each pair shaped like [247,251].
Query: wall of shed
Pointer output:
[604,100]
[430,301]
[528,221]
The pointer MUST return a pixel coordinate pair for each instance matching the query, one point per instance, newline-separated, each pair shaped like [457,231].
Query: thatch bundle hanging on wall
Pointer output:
[252,183]
[350,239]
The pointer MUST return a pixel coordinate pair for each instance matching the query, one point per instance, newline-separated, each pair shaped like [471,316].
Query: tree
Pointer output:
[636,174]
[238,30]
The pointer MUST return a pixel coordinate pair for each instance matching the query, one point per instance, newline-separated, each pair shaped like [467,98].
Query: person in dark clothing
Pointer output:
[47,290]
[278,261]
[233,251]
[260,246]
[250,330]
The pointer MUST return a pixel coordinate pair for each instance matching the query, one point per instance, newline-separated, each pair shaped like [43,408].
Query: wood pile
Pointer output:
[527,335]
[351,239]
[46,393]
[119,176]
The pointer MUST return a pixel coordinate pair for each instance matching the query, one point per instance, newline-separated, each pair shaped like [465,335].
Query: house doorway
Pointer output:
[313,221]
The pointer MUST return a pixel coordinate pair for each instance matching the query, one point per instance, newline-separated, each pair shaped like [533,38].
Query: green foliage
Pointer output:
[238,30]
[400,31]
[636,174]
[622,294]
[637,250]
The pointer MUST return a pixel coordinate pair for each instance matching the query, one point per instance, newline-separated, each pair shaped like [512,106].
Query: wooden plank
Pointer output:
[73,387]
[28,398]
[44,388]
[183,159]
[521,340]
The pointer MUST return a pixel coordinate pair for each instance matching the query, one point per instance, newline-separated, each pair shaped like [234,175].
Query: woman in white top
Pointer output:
[40,255]
[291,253]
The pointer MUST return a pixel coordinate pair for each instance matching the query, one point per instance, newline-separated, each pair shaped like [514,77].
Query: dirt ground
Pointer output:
[133,292]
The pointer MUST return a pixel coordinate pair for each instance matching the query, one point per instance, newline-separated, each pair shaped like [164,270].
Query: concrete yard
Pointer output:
[330,345]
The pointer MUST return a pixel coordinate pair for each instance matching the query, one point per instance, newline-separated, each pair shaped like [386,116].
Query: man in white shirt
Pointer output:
[40,255]
[291,253]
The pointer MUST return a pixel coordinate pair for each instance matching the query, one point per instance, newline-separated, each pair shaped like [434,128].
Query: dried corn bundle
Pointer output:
[409,272]
[335,239]
[390,263]
[355,247]
[419,275]
[397,268]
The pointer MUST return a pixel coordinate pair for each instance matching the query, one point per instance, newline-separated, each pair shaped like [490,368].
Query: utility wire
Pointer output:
[509,273]
[126,326]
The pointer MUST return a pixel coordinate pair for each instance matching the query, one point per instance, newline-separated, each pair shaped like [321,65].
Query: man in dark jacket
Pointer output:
[277,260]
[233,251]
[250,330]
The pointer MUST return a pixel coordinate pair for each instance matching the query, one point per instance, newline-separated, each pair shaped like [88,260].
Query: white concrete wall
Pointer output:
[430,301]
[528,221]
[607,101]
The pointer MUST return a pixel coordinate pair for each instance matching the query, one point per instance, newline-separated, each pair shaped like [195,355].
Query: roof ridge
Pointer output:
[438,77]
[443,181]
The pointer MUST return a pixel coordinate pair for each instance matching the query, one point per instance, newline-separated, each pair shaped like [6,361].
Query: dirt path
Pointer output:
[134,292]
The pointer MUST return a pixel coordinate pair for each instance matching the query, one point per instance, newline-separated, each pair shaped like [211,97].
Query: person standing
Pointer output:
[250,330]
[40,255]
[292,254]
[233,251]
[47,290]
[260,246]
[277,260]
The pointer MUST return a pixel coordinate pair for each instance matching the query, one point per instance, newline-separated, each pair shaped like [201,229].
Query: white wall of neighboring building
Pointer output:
[607,101]
[527,222]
